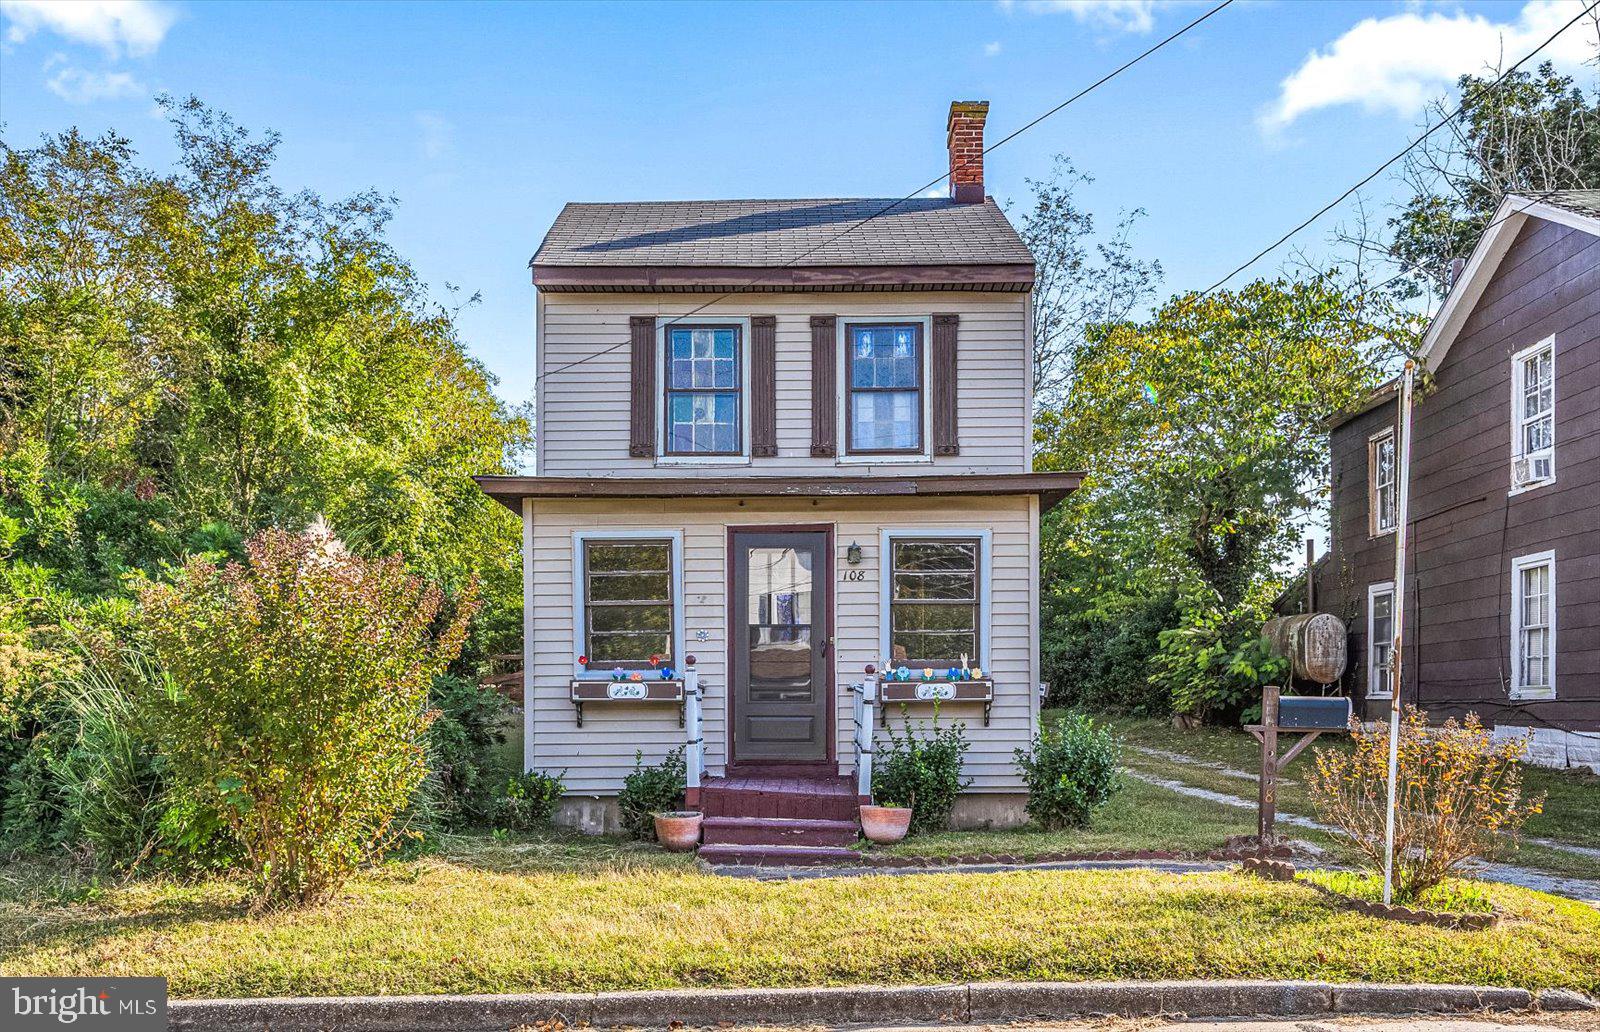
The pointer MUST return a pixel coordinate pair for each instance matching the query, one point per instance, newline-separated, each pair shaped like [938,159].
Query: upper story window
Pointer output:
[885,383]
[1533,626]
[627,601]
[703,390]
[934,600]
[1533,416]
[1382,494]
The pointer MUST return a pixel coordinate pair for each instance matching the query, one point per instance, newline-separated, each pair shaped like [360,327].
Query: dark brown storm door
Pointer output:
[780,646]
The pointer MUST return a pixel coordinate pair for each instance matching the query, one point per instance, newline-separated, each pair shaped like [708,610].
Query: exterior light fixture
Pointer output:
[852,554]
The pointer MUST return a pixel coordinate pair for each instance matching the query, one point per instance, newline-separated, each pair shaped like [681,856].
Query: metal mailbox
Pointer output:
[1314,712]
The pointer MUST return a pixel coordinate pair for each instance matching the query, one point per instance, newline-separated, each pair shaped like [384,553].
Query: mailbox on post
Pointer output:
[1314,712]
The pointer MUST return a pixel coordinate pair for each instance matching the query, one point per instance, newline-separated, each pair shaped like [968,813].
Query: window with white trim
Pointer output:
[1533,416]
[935,597]
[1380,640]
[627,602]
[1382,492]
[703,390]
[1533,626]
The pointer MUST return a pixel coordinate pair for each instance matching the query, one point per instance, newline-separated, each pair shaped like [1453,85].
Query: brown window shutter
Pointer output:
[824,385]
[763,386]
[942,360]
[642,374]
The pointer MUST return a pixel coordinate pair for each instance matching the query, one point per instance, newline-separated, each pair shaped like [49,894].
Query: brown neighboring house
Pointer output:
[789,438]
[1503,584]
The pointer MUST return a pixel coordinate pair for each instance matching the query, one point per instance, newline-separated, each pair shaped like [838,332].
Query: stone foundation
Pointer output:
[1553,747]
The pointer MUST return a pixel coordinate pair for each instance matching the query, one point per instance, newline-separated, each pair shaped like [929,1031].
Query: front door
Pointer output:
[780,646]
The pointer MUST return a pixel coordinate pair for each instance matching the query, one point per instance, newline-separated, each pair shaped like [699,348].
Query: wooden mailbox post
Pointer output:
[1305,715]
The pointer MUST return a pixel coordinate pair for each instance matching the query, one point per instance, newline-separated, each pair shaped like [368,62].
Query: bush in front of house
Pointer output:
[1459,797]
[923,773]
[296,700]
[1071,770]
[529,802]
[464,753]
[647,791]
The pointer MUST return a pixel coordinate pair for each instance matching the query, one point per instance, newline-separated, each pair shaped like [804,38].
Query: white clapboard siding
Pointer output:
[597,756]
[583,410]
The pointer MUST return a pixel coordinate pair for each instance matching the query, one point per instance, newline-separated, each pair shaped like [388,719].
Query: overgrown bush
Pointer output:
[1214,662]
[529,802]
[1101,659]
[462,750]
[1459,797]
[648,791]
[297,697]
[923,773]
[1071,769]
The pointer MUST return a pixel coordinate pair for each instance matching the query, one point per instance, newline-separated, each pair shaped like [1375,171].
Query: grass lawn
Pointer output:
[585,915]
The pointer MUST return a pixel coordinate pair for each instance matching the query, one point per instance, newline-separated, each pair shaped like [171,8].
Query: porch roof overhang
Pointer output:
[1050,488]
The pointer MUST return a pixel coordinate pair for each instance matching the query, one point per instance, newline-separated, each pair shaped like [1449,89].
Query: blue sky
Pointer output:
[483,119]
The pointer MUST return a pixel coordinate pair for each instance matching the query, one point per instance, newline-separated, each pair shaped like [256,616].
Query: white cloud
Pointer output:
[1398,63]
[1122,15]
[991,50]
[134,26]
[80,86]
[438,134]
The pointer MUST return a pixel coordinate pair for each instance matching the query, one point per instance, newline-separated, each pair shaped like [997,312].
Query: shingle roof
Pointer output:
[797,233]
[1583,202]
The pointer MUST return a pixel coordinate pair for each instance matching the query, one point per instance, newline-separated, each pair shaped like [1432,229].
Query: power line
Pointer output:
[1407,149]
[925,186]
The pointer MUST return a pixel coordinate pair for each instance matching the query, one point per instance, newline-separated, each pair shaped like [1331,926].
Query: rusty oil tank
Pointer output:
[1314,644]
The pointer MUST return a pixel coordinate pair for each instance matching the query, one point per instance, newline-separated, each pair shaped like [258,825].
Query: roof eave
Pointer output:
[1012,276]
[1051,488]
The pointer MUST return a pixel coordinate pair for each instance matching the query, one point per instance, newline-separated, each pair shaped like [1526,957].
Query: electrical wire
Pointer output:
[1403,152]
[924,187]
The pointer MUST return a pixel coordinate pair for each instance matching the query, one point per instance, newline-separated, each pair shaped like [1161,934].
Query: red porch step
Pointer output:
[813,797]
[776,856]
[777,831]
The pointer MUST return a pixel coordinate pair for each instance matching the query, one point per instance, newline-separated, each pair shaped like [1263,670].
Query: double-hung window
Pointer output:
[884,373]
[1533,626]
[935,600]
[1382,494]
[703,384]
[1533,416]
[627,598]
[1380,640]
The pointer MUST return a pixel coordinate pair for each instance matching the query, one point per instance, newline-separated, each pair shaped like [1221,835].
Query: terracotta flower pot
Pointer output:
[885,825]
[678,831]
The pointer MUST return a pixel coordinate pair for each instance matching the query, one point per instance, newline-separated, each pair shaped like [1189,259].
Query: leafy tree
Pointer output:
[296,700]
[1534,132]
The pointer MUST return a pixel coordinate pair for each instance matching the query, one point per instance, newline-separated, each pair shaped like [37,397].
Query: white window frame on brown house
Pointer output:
[1381,517]
[1530,470]
[1522,628]
[1379,673]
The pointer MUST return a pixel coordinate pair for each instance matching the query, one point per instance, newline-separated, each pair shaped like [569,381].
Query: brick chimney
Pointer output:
[966,150]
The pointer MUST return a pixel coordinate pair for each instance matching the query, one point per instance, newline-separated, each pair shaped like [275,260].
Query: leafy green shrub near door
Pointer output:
[922,773]
[529,802]
[1071,769]
[652,790]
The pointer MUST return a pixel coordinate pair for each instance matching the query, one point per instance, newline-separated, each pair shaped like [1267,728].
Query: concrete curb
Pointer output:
[845,1005]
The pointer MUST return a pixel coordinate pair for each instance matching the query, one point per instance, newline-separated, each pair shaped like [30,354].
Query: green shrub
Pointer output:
[529,802]
[1214,662]
[462,750]
[1071,769]
[922,773]
[1100,659]
[648,791]
[296,704]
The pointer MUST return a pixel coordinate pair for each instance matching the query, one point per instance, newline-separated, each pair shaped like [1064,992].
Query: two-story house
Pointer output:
[1503,581]
[790,439]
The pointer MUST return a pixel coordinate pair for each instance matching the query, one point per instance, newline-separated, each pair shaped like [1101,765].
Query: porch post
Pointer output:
[866,697]
[694,748]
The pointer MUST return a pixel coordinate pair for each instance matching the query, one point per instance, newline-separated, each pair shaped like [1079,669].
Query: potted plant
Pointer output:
[678,831]
[884,821]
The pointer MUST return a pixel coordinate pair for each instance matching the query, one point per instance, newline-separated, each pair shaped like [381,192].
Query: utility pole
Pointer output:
[1402,527]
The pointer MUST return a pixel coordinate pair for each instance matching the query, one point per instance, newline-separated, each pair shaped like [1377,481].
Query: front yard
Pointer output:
[586,915]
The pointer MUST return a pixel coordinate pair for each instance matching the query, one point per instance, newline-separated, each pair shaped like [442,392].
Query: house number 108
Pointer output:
[855,575]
